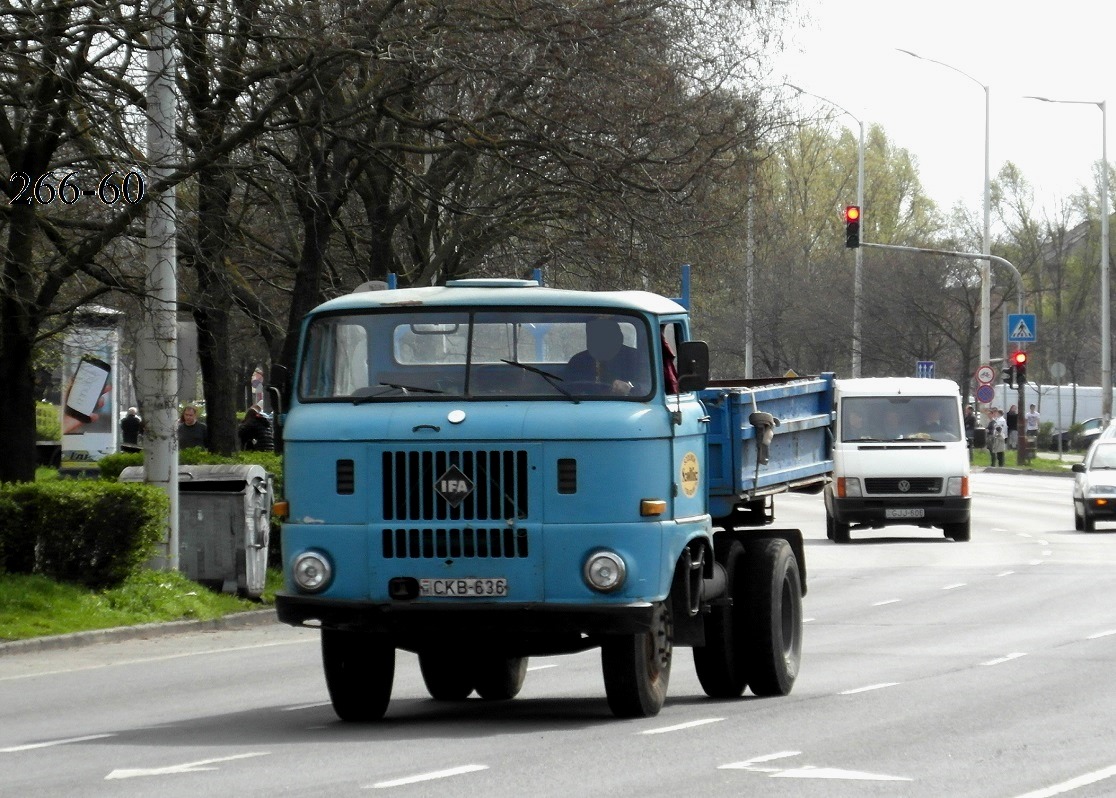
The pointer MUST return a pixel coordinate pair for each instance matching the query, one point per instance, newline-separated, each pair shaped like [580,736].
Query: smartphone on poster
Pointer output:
[89,383]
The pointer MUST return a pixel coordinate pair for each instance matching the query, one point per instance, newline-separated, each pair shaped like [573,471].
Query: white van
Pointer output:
[899,457]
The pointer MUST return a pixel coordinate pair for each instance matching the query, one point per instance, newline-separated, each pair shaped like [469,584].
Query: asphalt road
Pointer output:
[930,668]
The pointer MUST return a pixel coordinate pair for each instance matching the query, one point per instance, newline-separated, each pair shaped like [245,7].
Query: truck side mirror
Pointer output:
[693,365]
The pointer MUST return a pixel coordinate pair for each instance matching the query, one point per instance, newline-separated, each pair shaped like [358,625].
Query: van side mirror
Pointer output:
[693,365]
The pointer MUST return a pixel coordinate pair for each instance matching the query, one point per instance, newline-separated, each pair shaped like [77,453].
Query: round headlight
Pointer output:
[604,571]
[311,571]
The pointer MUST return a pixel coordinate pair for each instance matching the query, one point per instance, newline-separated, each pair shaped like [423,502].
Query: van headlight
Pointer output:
[604,571]
[311,572]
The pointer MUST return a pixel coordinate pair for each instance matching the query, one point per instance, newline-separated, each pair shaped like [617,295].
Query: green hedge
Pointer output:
[111,465]
[88,532]
[48,422]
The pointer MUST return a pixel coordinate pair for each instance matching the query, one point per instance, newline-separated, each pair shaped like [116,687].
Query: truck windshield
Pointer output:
[900,418]
[406,355]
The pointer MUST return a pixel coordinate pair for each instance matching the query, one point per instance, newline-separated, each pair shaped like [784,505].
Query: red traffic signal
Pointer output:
[1019,359]
[852,226]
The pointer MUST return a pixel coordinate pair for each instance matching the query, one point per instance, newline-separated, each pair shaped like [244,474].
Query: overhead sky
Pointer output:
[847,52]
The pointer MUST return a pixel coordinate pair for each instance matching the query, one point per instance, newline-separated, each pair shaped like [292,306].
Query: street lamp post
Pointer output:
[1106,338]
[858,269]
[986,264]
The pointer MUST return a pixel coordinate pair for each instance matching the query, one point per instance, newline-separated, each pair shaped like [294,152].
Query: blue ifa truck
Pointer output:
[490,470]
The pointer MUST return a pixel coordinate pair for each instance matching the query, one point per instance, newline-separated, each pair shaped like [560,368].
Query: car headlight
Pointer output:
[311,571]
[604,571]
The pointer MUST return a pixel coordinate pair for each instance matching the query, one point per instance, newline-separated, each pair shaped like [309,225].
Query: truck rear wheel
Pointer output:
[637,667]
[499,678]
[446,676]
[721,662]
[774,617]
[359,672]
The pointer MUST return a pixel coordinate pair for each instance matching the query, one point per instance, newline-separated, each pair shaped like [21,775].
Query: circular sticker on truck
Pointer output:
[690,474]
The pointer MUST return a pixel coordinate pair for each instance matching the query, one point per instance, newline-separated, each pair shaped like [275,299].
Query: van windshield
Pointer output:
[900,418]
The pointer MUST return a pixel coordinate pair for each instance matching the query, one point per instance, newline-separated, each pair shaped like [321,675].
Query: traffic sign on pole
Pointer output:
[985,374]
[1022,328]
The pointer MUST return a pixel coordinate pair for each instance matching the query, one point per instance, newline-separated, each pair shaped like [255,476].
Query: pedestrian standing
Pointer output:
[131,427]
[1012,420]
[255,431]
[999,437]
[970,429]
[1031,422]
[192,433]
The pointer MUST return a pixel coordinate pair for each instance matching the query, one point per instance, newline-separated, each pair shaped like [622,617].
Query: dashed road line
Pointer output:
[1008,658]
[879,686]
[433,775]
[886,601]
[1072,784]
[679,727]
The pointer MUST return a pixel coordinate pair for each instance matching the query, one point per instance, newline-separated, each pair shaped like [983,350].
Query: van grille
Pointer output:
[919,486]
[443,544]
[497,485]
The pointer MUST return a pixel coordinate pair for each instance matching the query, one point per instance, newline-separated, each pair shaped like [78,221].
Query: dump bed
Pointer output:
[798,456]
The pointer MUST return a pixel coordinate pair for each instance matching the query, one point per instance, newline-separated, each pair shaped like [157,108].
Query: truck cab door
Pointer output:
[689,421]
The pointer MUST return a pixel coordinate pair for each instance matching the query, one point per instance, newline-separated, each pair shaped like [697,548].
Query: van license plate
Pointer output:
[468,587]
[905,512]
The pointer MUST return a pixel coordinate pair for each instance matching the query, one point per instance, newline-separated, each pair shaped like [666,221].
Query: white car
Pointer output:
[1094,488]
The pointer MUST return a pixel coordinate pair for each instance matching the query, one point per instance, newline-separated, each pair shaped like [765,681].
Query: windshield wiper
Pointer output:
[553,379]
[393,386]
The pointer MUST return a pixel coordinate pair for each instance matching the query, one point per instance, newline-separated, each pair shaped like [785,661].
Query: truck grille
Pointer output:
[443,544]
[490,485]
[918,486]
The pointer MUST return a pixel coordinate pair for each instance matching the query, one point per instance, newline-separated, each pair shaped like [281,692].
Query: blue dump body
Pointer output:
[470,475]
[798,455]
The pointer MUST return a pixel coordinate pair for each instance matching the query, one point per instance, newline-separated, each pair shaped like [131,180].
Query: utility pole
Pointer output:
[158,351]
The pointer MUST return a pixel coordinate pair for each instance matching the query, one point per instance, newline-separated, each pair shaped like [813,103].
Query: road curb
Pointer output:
[240,620]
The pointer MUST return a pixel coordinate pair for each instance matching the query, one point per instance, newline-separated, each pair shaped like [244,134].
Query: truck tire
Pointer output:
[774,617]
[446,676]
[721,663]
[499,678]
[959,532]
[637,667]
[359,671]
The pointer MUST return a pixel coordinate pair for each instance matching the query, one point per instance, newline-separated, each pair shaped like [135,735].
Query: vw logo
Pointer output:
[904,485]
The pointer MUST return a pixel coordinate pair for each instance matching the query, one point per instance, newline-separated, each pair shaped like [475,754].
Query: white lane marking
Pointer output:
[885,601]
[1035,562]
[954,586]
[749,764]
[49,743]
[1072,784]
[1008,658]
[691,724]
[810,772]
[163,658]
[1023,534]
[1101,634]
[879,686]
[1005,573]
[301,707]
[807,620]
[1043,542]
[437,774]
[541,667]
[1046,552]
[186,767]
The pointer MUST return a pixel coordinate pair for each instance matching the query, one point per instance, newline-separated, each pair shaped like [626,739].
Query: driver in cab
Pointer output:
[606,360]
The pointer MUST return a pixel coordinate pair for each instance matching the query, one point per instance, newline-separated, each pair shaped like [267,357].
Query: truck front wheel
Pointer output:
[774,617]
[359,672]
[637,667]
[722,661]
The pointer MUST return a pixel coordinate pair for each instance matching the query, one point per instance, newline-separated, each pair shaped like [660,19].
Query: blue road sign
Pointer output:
[985,394]
[925,369]
[1022,328]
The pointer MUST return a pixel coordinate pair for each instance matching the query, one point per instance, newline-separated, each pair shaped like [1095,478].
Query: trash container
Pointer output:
[224,514]
[980,438]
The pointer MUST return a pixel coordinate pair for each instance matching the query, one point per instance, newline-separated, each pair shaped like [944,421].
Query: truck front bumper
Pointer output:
[415,621]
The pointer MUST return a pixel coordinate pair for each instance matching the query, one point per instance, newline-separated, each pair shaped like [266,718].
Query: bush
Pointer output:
[48,424]
[88,532]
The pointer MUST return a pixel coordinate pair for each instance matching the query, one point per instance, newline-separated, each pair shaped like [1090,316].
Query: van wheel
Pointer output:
[959,532]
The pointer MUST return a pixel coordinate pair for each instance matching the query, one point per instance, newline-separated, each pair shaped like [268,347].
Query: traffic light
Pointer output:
[1019,363]
[1007,373]
[852,226]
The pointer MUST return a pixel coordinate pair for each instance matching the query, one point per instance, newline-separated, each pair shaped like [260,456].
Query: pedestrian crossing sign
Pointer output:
[1022,328]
